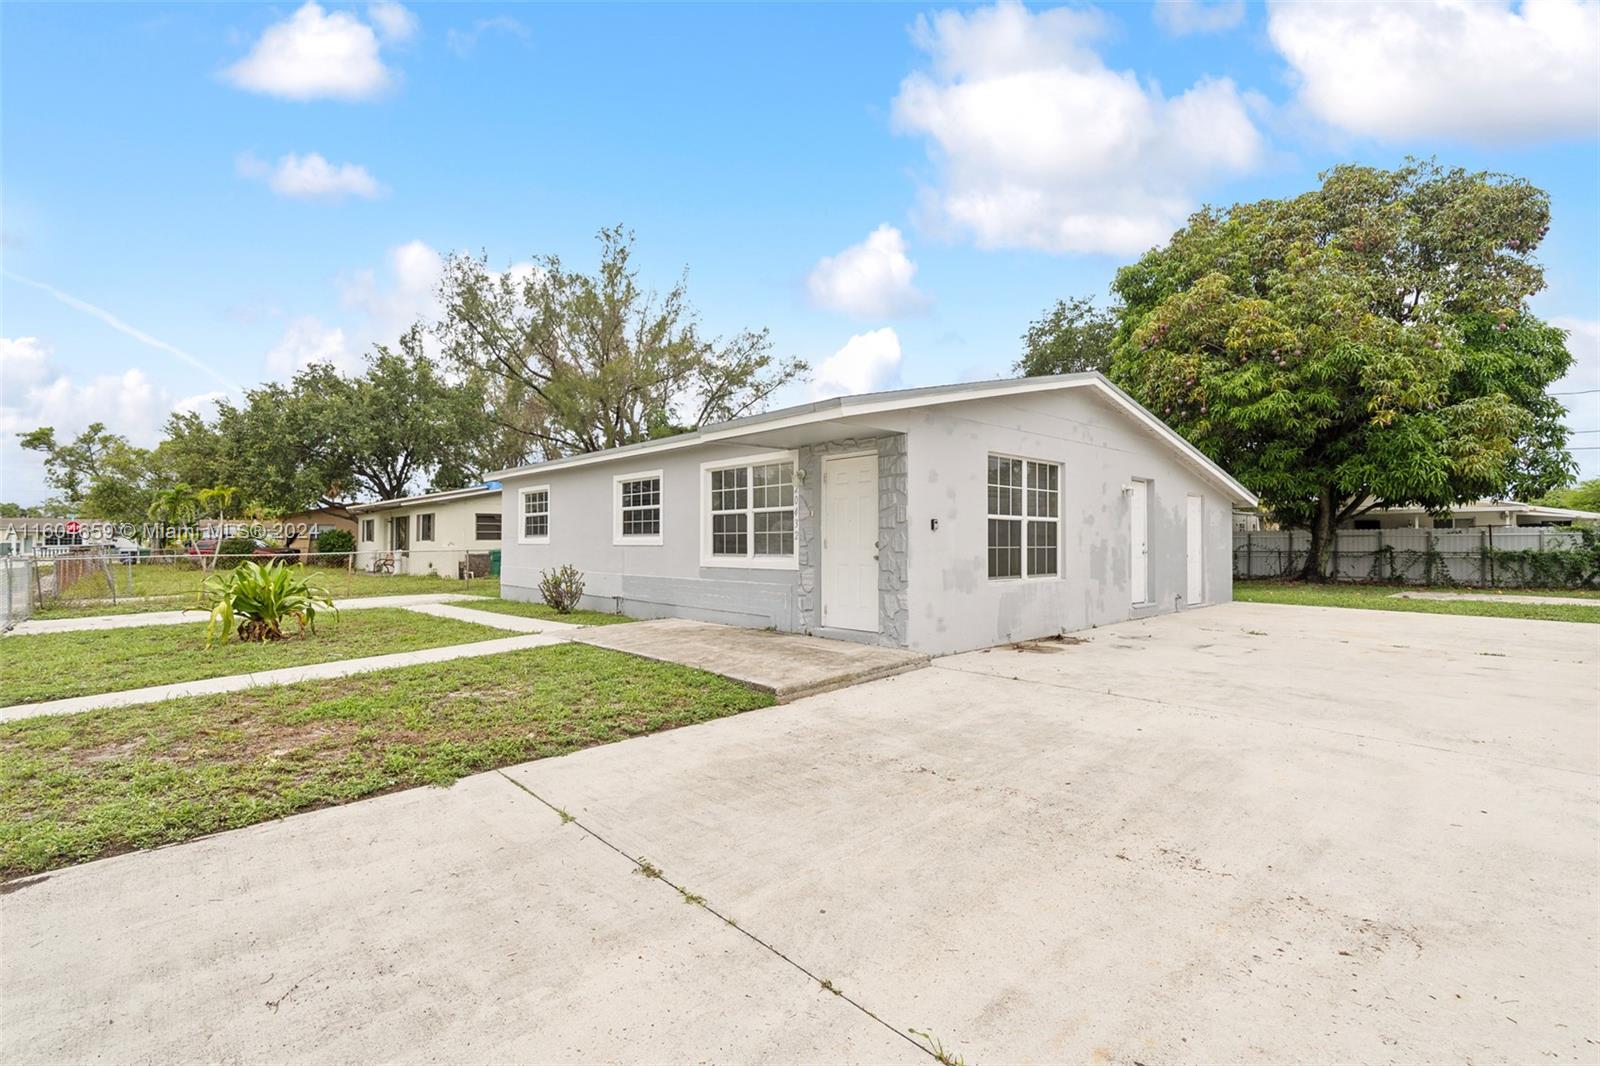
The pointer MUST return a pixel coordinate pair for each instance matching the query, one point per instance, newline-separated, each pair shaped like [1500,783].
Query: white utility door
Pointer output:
[1139,544]
[1197,557]
[850,543]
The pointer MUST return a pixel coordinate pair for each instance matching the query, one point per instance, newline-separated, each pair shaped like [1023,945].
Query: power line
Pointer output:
[1580,392]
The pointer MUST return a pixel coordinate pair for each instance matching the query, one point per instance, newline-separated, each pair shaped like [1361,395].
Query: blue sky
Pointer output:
[197,198]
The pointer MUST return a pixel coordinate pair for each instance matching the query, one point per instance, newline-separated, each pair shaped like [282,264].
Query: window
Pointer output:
[1454,523]
[1024,518]
[535,515]
[425,527]
[368,526]
[638,508]
[486,526]
[749,510]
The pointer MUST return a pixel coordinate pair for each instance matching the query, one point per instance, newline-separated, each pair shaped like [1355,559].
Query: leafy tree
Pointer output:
[17,510]
[1072,337]
[175,506]
[324,438]
[98,473]
[193,452]
[1365,343]
[574,362]
[1584,496]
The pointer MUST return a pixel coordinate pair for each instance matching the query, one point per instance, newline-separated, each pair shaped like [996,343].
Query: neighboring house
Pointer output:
[432,533]
[58,536]
[304,526]
[1472,516]
[939,519]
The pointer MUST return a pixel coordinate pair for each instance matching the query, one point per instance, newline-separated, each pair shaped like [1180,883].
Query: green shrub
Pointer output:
[256,602]
[335,541]
[561,588]
[231,549]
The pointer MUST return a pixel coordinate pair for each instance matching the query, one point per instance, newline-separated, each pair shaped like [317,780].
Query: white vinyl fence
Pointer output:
[1487,556]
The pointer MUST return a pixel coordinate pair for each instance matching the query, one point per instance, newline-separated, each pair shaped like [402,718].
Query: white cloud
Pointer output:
[391,306]
[1480,71]
[1040,145]
[311,177]
[315,53]
[867,362]
[35,391]
[393,21]
[306,342]
[872,279]
[1183,17]
[463,42]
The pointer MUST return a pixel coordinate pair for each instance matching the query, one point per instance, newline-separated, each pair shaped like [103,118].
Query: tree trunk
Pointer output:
[1317,566]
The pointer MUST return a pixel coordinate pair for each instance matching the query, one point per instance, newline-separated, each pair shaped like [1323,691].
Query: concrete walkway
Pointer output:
[286,676]
[1510,597]
[515,622]
[785,664]
[35,626]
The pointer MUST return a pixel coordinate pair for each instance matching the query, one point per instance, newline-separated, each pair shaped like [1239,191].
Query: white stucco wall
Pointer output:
[955,605]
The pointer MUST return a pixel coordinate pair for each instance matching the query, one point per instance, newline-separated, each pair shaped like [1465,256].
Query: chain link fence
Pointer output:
[84,582]
[1485,557]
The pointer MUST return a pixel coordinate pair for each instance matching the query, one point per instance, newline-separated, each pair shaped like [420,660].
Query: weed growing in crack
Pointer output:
[565,817]
[645,868]
[937,1049]
[829,986]
[690,897]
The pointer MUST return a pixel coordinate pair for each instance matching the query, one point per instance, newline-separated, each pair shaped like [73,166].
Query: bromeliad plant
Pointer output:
[255,602]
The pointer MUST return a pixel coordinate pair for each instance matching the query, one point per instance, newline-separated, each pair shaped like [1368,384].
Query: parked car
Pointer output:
[262,549]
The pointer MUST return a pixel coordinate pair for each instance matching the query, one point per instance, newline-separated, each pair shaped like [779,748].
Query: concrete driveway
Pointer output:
[1247,833]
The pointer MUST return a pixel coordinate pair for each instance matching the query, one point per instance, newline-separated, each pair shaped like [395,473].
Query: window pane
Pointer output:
[774,532]
[486,526]
[1005,547]
[728,534]
[1042,547]
[1005,486]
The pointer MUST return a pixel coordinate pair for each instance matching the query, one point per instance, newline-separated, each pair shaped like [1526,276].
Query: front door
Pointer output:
[1197,564]
[850,543]
[1139,541]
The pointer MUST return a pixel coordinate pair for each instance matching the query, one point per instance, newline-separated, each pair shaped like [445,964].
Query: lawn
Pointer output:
[169,585]
[539,610]
[83,786]
[52,666]
[1383,598]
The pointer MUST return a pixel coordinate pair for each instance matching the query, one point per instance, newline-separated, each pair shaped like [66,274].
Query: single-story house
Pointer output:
[1473,515]
[939,519]
[431,533]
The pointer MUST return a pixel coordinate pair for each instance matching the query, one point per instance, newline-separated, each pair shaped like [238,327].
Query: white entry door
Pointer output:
[1139,542]
[850,543]
[1197,558]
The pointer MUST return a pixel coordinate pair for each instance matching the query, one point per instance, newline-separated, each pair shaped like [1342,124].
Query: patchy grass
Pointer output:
[53,666]
[158,586]
[544,611]
[80,787]
[1383,598]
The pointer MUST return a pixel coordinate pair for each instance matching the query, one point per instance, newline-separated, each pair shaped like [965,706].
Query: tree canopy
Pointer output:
[1072,337]
[1365,343]
[576,362]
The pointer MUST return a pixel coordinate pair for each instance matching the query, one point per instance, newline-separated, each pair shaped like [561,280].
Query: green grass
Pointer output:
[52,666]
[83,786]
[1383,598]
[539,610]
[177,584]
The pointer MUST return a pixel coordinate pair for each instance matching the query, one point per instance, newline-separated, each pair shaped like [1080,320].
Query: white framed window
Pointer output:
[1024,518]
[747,511]
[425,526]
[636,508]
[534,514]
[369,530]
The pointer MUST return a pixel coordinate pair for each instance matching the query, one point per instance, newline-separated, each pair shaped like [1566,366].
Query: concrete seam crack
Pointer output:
[641,862]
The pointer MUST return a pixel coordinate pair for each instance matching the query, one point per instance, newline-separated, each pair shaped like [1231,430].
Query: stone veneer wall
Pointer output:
[894,611]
